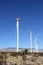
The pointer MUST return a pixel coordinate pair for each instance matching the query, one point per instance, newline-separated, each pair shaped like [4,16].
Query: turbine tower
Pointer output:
[30,40]
[36,45]
[17,24]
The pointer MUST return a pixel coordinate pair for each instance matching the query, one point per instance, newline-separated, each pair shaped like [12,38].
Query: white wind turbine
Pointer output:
[30,40]
[17,26]
[36,45]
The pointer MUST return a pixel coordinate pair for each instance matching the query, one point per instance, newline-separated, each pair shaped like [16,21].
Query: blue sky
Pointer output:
[31,14]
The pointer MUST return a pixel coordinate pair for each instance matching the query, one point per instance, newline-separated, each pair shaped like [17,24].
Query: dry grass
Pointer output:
[17,58]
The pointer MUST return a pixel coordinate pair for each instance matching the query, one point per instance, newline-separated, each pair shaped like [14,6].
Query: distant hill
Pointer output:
[20,49]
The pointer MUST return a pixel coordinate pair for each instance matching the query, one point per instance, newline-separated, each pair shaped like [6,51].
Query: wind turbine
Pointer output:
[30,40]
[17,26]
[36,45]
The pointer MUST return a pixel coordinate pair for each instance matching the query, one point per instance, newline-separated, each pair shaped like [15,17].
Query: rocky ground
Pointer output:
[27,59]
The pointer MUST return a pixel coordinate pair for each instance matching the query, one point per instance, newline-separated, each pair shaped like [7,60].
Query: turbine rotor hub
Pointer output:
[17,19]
